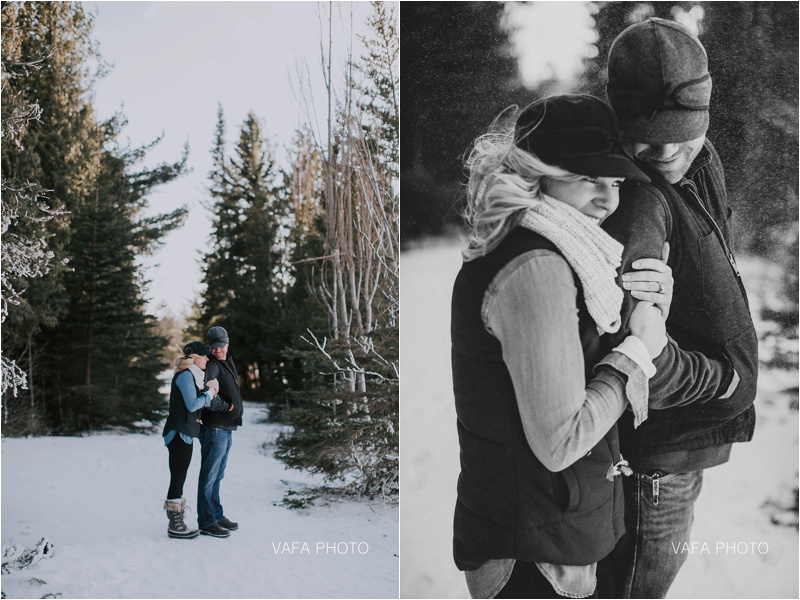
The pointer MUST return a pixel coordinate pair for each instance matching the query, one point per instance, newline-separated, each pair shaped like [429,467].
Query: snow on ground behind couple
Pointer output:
[98,501]
[738,550]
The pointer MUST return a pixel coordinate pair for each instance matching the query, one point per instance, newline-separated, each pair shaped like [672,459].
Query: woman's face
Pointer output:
[595,197]
[201,361]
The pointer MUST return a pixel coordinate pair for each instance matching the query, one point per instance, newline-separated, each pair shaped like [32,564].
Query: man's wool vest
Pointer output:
[224,371]
[509,505]
[709,314]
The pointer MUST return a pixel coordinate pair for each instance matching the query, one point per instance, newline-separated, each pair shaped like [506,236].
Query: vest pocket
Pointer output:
[742,351]
[722,300]
[583,485]
[573,495]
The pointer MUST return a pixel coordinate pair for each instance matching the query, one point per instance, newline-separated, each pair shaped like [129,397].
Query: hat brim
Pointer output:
[218,345]
[608,165]
[667,127]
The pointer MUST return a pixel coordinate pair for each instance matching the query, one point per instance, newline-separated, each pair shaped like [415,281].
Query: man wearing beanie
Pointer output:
[701,398]
[216,433]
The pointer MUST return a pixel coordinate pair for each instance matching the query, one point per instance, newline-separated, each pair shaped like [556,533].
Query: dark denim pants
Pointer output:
[658,518]
[215,444]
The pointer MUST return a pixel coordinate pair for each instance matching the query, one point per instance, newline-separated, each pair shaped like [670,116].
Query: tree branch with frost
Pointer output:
[352,365]
[13,377]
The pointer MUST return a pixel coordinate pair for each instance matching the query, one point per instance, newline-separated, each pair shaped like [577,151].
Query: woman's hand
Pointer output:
[213,386]
[648,325]
[652,281]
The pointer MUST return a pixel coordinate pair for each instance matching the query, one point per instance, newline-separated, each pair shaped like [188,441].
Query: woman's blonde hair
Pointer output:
[183,362]
[504,181]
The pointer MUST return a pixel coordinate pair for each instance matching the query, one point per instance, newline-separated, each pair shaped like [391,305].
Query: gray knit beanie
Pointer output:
[658,82]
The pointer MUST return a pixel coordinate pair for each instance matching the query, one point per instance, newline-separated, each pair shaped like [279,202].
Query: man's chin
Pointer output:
[672,174]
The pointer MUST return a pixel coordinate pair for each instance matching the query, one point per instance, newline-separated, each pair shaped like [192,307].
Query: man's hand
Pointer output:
[652,281]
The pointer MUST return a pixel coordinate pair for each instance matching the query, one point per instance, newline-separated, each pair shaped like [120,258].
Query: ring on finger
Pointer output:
[660,288]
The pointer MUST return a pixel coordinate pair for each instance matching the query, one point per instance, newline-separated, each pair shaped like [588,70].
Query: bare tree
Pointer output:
[357,279]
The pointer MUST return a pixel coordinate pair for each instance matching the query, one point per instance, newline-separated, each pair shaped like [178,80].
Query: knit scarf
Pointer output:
[591,252]
[199,376]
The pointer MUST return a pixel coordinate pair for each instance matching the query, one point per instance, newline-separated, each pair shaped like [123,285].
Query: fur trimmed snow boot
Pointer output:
[177,526]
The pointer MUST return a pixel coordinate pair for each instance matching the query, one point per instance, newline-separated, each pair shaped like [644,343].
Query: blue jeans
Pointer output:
[658,518]
[215,444]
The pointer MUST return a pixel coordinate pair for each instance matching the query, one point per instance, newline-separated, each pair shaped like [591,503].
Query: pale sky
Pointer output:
[174,62]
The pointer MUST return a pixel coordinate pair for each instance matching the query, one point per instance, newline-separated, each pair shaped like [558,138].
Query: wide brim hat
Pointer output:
[658,82]
[578,133]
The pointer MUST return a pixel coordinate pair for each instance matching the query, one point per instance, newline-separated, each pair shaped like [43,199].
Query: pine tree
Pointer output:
[246,274]
[87,345]
[45,160]
[111,377]
[304,183]
[458,74]
[753,60]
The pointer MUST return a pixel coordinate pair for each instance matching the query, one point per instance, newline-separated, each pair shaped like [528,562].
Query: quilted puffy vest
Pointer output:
[509,505]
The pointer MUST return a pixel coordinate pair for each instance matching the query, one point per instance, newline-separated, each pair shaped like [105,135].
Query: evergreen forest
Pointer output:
[302,265]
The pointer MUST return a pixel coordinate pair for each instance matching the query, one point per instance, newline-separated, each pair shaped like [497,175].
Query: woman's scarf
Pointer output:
[591,252]
[199,376]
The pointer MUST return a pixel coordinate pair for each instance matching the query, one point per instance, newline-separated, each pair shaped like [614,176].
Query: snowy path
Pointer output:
[98,500]
[729,510]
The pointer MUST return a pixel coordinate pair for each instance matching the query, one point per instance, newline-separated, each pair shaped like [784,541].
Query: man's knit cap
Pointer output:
[217,337]
[658,82]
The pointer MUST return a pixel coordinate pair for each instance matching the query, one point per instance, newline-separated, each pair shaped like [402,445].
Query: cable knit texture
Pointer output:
[199,376]
[593,254]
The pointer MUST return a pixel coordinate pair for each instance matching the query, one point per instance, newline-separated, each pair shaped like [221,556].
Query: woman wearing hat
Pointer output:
[539,495]
[188,396]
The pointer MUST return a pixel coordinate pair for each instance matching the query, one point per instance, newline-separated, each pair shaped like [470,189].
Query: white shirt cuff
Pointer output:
[634,348]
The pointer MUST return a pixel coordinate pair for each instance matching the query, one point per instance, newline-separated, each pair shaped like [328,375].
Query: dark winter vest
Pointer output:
[709,314]
[225,373]
[509,505]
[179,417]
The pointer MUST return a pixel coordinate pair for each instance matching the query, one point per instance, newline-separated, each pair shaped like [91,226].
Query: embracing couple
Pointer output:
[602,347]
[205,402]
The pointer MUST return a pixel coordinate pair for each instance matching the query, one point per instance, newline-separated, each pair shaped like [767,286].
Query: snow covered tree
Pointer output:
[24,246]
[46,120]
[80,332]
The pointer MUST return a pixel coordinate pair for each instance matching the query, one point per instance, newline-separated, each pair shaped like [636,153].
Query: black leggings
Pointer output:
[180,455]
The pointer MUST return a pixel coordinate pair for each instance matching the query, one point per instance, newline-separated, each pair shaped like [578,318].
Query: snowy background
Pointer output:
[98,501]
[740,501]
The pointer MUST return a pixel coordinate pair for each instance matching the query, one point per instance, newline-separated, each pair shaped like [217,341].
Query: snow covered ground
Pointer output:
[756,559]
[98,501]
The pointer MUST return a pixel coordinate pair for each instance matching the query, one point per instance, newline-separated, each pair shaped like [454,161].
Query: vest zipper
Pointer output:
[656,486]
[693,189]
[235,379]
